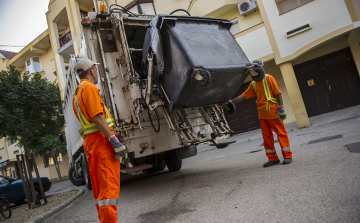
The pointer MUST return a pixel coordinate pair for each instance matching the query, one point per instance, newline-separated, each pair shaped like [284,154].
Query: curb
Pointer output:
[49,214]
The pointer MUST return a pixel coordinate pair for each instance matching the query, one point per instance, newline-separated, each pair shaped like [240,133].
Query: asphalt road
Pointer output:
[230,185]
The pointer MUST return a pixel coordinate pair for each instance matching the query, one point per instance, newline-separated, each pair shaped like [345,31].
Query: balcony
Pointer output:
[65,38]
[66,44]
[213,8]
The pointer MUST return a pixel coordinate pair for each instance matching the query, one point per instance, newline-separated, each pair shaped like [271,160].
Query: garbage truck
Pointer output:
[162,78]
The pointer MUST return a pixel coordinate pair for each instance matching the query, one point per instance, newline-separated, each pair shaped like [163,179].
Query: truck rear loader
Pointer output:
[161,78]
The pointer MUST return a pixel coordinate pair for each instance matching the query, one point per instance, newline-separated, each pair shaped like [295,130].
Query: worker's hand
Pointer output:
[226,106]
[119,148]
[281,113]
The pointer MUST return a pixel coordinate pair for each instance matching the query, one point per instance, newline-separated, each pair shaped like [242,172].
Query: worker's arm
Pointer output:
[279,99]
[249,93]
[281,109]
[237,99]
[101,124]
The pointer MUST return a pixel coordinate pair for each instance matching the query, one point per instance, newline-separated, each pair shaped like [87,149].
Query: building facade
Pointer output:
[311,47]
[37,56]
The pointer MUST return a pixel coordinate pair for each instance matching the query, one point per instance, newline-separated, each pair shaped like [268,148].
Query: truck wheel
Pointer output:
[158,168]
[161,166]
[85,167]
[172,161]
[72,176]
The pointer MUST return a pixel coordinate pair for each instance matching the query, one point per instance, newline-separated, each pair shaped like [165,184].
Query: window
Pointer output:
[3,180]
[16,151]
[2,148]
[145,7]
[235,28]
[11,142]
[287,5]
[49,161]
[33,65]
[59,158]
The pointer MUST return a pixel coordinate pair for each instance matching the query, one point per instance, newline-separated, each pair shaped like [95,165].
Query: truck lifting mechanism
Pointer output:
[161,77]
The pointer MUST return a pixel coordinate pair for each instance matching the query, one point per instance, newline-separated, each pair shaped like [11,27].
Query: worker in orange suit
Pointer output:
[102,147]
[271,114]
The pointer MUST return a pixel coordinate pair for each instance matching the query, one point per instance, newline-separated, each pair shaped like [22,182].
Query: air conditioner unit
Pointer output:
[247,6]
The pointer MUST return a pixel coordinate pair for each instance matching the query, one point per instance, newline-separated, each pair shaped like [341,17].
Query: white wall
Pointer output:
[324,16]
[255,44]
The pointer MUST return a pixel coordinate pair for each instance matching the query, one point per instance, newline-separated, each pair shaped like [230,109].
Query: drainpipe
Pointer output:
[96,6]
[191,5]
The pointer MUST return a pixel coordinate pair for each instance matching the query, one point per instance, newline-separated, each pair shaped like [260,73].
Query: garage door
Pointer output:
[246,117]
[329,83]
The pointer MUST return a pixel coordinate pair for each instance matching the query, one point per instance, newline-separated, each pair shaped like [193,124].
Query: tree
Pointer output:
[30,109]
[51,143]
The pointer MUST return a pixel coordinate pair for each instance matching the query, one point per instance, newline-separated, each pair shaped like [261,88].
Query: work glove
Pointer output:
[281,113]
[226,106]
[230,107]
[119,148]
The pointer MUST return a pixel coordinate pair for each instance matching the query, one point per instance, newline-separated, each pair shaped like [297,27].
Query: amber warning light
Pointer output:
[103,8]
[85,22]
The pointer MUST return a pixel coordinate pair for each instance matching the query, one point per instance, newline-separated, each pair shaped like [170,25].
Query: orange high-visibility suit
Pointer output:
[268,119]
[104,169]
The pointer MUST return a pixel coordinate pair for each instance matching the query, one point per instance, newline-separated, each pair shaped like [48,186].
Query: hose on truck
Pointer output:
[121,9]
[158,119]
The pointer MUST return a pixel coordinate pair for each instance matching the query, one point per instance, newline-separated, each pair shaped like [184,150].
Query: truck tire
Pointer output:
[85,167]
[172,161]
[161,166]
[72,176]
[158,168]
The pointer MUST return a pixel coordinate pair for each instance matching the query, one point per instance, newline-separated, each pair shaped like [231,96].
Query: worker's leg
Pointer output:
[105,173]
[89,148]
[108,175]
[268,140]
[279,128]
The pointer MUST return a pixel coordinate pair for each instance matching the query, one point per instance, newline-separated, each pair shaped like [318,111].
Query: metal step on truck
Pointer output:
[162,78]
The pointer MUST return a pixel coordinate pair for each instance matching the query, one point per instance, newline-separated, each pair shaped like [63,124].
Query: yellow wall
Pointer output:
[11,149]
[354,40]
[50,172]
[163,6]
[250,20]
[3,64]
[3,150]
[43,172]
[327,21]
[356,5]
[64,168]
[47,65]
[72,9]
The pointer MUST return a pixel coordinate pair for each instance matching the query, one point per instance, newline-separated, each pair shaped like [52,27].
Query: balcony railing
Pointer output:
[65,38]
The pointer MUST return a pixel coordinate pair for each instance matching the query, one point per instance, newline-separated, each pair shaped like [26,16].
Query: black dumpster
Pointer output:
[197,60]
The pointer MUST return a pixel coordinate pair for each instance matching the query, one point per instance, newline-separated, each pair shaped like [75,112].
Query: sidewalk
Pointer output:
[62,187]
[314,121]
